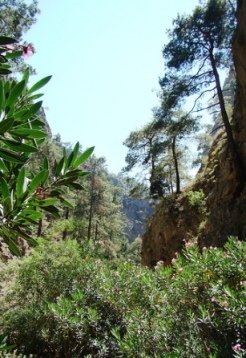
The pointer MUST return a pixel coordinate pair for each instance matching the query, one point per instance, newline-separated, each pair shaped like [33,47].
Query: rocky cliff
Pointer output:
[137,212]
[222,212]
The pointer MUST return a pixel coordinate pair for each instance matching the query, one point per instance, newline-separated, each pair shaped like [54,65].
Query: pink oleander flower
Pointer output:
[28,51]
[237,348]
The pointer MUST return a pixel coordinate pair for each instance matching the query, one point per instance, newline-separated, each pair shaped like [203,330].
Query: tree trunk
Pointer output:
[175,160]
[236,159]
[90,220]
[91,211]
[64,234]
[171,179]
[96,232]
[152,172]
[40,227]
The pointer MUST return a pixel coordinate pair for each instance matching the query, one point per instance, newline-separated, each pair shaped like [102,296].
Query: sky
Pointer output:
[105,58]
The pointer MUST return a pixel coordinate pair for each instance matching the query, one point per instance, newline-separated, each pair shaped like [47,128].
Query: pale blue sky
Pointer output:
[105,58]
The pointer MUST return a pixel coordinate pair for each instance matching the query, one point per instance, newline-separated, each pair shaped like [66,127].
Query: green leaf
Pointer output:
[34,215]
[6,124]
[27,237]
[4,71]
[13,247]
[3,166]
[83,157]
[39,179]
[5,40]
[76,186]
[73,155]
[4,189]
[35,96]
[116,334]
[35,108]
[66,203]
[30,220]
[20,147]
[76,173]
[52,210]
[56,192]
[20,183]
[28,133]
[22,113]
[13,55]
[59,166]
[28,112]
[2,97]
[26,75]
[37,123]
[48,202]
[3,59]
[39,84]
[11,200]
[15,93]
[10,156]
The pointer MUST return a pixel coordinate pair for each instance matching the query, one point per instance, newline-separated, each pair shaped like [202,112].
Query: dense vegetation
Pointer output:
[63,301]
[71,284]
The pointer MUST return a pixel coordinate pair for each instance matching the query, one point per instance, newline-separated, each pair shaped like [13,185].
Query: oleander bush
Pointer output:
[63,302]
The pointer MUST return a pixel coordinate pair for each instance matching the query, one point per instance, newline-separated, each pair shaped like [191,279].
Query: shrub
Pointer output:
[24,196]
[62,303]
[197,200]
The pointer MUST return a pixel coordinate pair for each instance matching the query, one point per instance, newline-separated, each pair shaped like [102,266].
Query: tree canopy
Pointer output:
[16,17]
[199,45]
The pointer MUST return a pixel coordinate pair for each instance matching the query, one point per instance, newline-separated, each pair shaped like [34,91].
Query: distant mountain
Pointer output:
[137,212]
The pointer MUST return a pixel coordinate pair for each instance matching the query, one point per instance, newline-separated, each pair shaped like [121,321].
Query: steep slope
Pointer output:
[176,221]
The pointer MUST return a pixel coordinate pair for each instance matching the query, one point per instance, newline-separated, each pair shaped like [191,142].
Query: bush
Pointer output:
[206,302]
[197,200]
[62,303]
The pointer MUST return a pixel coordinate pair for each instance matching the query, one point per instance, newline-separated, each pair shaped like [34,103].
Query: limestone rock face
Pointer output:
[175,222]
[239,55]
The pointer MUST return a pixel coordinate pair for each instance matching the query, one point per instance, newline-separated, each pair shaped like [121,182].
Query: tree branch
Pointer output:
[203,109]
[197,99]
[232,6]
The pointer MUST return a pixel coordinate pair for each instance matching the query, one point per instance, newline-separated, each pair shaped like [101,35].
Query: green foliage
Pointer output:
[61,300]
[15,355]
[194,41]
[157,149]
[99,201]
[133,250]
[17,17]
[197,200]
[4,347]
[24,196]
[199,46]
